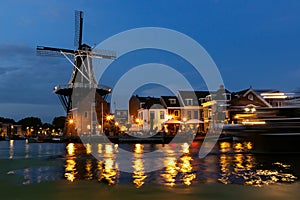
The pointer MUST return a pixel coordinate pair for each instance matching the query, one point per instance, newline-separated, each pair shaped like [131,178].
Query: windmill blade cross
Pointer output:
[78,28]
[101,53]
[53,52]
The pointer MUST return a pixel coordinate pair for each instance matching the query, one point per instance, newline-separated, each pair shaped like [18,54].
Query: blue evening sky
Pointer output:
[253,42]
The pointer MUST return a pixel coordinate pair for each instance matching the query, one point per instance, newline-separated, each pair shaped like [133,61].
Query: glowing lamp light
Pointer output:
[109,117]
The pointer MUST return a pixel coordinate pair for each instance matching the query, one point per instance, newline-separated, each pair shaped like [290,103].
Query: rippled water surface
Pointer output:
[228,163]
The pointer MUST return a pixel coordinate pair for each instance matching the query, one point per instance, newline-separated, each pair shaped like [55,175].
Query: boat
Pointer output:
[279,133]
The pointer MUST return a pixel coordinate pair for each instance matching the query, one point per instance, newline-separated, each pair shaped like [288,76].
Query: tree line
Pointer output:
[35,123]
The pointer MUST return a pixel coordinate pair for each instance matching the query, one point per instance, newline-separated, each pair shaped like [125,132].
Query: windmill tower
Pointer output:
[83,76]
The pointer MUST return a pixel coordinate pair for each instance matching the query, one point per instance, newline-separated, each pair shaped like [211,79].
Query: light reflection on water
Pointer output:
[229,163]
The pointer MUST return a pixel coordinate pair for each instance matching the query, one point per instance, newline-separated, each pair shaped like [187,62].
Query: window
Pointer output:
[208,98]
[176,113]
[189,114]
[250,97]
[196,114]
[94,116]
[141,116]
[161,115]
[202,100]
[85,114]
[228,96]
[172,101]
[152,115]
[189,102]
[142,104]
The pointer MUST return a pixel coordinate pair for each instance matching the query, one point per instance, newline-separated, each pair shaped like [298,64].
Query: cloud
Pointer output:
[27,78]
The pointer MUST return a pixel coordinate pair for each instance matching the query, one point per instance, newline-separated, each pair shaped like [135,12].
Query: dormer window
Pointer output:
[172,101]
[202,100]
[227,96]
[208,98]
[189,102]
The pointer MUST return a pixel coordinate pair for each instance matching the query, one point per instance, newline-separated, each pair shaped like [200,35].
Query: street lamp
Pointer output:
[71,121]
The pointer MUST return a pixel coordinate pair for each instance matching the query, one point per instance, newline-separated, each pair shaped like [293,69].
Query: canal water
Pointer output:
[229,170]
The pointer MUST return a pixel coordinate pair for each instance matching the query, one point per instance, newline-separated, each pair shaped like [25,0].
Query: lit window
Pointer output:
[176,113]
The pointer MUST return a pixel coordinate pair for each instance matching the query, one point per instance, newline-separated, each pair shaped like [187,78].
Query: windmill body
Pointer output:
[82,79]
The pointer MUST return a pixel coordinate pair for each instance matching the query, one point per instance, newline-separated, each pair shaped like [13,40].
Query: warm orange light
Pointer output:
[71,121]
[169,117]
[109,117]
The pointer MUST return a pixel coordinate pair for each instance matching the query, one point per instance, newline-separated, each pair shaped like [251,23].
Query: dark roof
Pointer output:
[148,101]
[195,95]
[258,91]
[238,99]
[166,102]
[244,101]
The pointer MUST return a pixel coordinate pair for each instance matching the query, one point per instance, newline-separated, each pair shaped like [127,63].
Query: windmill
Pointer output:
[83,75]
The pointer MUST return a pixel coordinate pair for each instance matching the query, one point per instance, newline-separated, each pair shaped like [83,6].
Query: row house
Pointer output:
[121,118]
[172,106]
[192,104]
[146,113]
[249,103]
[221,105]
[214,106]
[150,113]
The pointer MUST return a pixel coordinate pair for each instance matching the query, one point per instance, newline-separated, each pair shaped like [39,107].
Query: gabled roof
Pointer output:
[165,100]
[240,99]
[147,102]
[194,95]
[150,101]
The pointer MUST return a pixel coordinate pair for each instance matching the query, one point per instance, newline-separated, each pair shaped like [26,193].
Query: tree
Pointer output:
[59,122]
[7,120]
[32,122]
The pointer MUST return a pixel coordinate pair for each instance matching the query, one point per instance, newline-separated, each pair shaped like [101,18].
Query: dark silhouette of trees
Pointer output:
[59,123]
[31,122]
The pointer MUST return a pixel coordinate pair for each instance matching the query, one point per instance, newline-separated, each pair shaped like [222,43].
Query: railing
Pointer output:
[82,85]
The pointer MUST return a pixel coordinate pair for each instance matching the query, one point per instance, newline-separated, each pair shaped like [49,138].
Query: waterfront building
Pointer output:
[191,102]
[152,118]
[173,107]
[213,101]
[121,118]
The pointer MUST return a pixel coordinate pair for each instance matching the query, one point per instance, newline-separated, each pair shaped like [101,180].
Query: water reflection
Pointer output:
[71,171]
[70,166]
[89,168]
[241,168]
[181,167]
[229,163]
[11,149]
[138,166]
